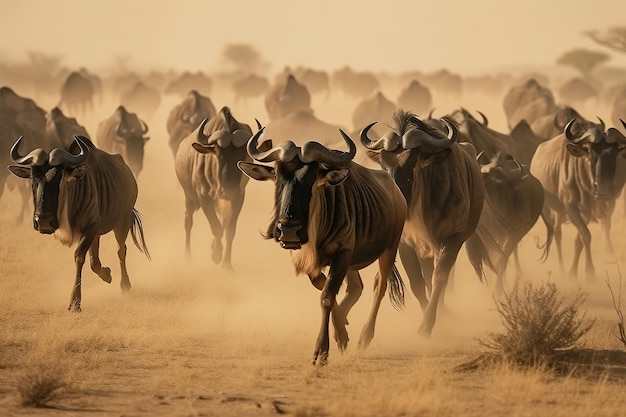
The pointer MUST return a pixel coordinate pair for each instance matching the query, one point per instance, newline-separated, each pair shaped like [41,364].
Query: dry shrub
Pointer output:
[42,382]
[538,323]
[617,304]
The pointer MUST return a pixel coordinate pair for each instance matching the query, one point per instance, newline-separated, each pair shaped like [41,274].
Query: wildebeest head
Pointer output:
[225,138]
[601,149]
[46,171]
[130,134]
[197,108]
[296,172]
[502,168]
[60,126]
[412,145]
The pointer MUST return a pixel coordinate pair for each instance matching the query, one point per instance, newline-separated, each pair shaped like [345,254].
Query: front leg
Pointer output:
[338,268]
[339,315]
[79,258]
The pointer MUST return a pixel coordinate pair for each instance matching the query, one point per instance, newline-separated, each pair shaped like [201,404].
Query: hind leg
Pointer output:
[190,208]
[208,207]
[413,268]
[94,259]
[120,235]
[229,216]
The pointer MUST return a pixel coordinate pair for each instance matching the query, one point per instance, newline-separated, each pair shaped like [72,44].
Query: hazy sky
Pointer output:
[462,35]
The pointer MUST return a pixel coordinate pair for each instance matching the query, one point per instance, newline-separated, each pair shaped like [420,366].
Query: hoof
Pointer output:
[125,286]
[105,274]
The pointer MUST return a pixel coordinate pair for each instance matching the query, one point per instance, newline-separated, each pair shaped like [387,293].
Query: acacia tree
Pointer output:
[584,60]
[613,38]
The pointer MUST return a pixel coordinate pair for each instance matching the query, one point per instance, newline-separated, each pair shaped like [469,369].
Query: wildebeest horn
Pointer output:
[62,157]
[569,135]
[482,158]
[485,120]
[36,157]
[601,123]
[623,123]
[144,127]
[269,155]
[414,138]
[333,157]
[258,124]
[389,142]
[201,137]
[430,114]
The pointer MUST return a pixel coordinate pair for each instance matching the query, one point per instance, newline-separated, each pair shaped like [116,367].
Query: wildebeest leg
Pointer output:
[339,317]
[79,259]
[190,208]
[443,265]
[385,264]
[230,227]
[121,233]
[557,241]
[605,223]
[584,239]
[208,207]
[413,268]
[94,257]
[338,269]
[578,248]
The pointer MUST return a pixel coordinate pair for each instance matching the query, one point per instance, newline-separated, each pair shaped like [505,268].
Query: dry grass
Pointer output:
[45,379]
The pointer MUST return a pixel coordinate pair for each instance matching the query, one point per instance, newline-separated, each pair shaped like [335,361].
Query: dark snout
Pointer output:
[603,191]
[45,224]
[289,233]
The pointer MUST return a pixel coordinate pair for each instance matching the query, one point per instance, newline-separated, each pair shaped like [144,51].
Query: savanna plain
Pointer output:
[190,339]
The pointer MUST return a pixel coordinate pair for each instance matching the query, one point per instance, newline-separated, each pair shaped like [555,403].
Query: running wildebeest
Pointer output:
[442,185]
[330,211]
[206,167]
[80,194]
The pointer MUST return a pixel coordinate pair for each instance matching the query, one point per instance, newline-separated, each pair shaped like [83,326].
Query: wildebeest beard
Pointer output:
[294,184]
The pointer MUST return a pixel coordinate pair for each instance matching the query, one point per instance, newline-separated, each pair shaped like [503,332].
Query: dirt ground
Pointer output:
[192,340]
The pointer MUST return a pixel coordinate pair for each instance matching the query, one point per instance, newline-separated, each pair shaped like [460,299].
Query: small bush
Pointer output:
[42,383]
[537,324]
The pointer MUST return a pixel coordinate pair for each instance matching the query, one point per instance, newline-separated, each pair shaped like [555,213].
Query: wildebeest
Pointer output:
[206,167]
[528,101]
[286,96]
[376,107]
[124,133]
[27,114]
[332,212]
[142,99]
[188,81]
[442,185]
[79,194]
[250,86]
[444,81]
[59,127]
[552,124]
[77,92]
[415,97]
[186,116]
[513,203]
[354,83]
[577,91]
[578,173]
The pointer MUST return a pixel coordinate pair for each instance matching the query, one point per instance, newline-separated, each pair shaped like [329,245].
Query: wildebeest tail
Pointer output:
[547,220]
[396,288]
[136,232]
[482,249]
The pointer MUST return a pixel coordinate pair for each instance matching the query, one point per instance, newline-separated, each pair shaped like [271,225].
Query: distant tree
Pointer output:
[613,38]
[242,55]
[584,60]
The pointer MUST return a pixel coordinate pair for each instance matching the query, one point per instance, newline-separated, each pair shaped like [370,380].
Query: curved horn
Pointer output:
[286,151]
[453,132]
[519,166]
[602,125]
[221,138]
[62,157]
[201,137]
[144,127]
[569,135]
[258,124]
[367,142]
[623,123]
[36,157]
[415,138]
[430,114]
[485,120]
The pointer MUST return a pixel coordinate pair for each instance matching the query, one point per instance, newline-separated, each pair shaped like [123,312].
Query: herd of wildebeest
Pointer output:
[397,183]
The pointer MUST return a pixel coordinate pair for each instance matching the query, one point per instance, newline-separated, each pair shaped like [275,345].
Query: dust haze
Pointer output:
[192,339]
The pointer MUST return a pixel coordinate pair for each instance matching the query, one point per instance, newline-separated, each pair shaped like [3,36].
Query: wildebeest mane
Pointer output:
[405,120]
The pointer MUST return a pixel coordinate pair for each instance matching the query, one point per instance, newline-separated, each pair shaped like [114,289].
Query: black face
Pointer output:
[45,182]
[603,157]
[294,185]
[400,165]
[132,133]
[230,176]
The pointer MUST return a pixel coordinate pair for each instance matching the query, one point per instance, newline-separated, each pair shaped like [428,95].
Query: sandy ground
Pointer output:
[192,340]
